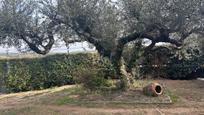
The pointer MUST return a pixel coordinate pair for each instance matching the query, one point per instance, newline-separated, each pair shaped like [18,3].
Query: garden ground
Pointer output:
[187,97]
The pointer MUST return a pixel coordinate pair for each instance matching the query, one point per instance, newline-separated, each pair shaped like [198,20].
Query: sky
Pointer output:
[77,47]
[61,48]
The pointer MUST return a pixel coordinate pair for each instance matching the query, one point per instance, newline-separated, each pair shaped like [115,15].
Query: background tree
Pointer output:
[21,23]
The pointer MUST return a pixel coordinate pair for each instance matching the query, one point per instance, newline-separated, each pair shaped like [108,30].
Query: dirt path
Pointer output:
[71,110]
[119,111]
[191,102]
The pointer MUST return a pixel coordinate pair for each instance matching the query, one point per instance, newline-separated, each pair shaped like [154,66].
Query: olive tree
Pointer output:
[21,23]
[109,25]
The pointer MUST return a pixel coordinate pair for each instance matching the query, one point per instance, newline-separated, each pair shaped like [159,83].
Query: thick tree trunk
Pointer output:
[126,79]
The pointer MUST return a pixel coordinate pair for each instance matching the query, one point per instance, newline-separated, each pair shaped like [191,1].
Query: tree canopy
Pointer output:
[108,25]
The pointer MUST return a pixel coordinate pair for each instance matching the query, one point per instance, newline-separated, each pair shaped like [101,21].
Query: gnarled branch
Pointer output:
[35,46]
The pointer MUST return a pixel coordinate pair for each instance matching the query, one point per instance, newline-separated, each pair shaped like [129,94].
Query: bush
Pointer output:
[93,79]
[176,69]
[181,69]
[18,77]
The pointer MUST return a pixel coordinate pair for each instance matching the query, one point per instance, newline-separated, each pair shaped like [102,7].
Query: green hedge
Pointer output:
[40,73]
[176,69]
[62,69]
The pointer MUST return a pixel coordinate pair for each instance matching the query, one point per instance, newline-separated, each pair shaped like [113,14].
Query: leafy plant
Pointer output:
[41,73]
[93,79]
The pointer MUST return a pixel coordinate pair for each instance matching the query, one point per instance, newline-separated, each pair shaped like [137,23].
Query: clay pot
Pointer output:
[153,89]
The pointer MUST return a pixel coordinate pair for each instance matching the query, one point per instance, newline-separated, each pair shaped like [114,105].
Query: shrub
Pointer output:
[180,69]
[93,79]
[176,69]
[18,77]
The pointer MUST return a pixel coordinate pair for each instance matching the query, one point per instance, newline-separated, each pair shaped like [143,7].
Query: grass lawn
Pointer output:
[187,98]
